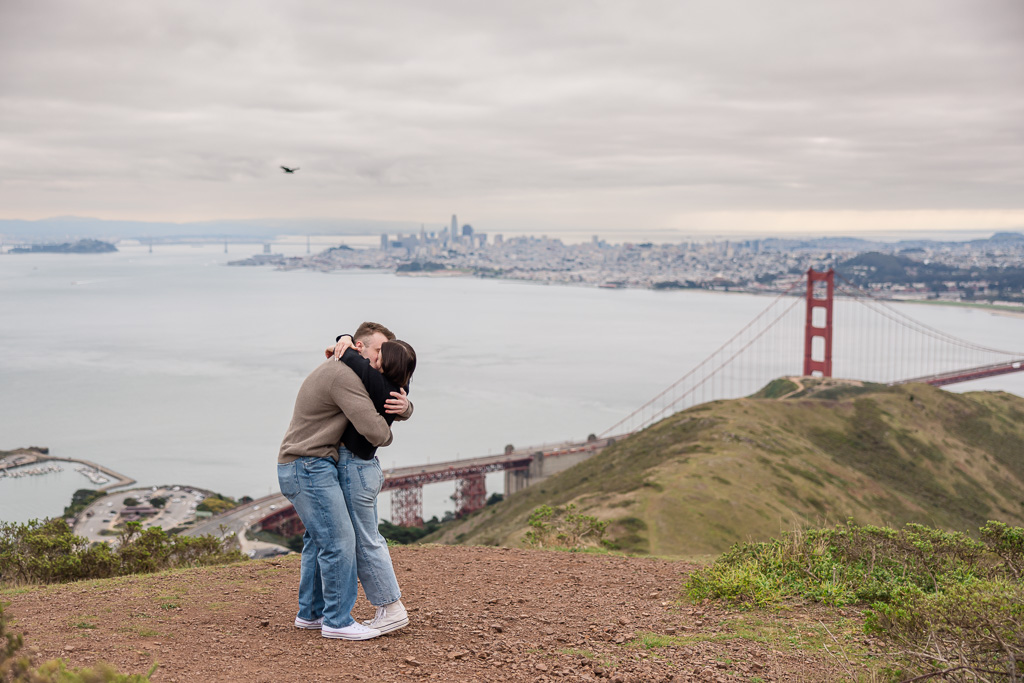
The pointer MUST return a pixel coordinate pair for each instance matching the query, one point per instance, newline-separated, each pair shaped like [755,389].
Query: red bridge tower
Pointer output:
[824,366]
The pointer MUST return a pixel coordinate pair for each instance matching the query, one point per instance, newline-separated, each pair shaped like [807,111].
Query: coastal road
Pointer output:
[237,521]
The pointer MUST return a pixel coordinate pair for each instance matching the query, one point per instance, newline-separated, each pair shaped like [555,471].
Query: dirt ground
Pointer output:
[476,614]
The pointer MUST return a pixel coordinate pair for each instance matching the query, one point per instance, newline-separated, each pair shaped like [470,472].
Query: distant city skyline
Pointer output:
[757,117]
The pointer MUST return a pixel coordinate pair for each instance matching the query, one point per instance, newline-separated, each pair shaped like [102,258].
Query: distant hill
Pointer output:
[70,227]
[875,267]
[728,471]
[79,247]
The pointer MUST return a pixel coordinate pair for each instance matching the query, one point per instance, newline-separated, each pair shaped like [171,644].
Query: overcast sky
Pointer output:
[840,116]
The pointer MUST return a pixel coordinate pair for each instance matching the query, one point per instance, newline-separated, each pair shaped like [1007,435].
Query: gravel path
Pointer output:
[476,614]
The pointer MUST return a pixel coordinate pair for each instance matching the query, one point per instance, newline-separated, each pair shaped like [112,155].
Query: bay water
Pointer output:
[173,368]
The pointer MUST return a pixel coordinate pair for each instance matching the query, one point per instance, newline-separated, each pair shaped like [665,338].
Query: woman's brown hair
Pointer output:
[397,362]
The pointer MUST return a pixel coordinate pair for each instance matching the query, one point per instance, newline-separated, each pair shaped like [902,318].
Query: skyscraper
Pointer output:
[455,228]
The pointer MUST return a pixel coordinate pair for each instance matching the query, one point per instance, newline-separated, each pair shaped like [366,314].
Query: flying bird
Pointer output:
[289,170]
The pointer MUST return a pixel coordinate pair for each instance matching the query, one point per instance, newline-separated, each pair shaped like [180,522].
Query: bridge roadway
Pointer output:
[237,520]
[967,375]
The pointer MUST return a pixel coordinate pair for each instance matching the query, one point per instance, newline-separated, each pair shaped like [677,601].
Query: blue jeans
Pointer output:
[327,581]
[361,481]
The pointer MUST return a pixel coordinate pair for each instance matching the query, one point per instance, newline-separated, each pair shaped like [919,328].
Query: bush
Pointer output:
[80,500]
[48,552]
[563,527]
[216,503]
[20,668]
[404,535]
[951,606]
[969,631]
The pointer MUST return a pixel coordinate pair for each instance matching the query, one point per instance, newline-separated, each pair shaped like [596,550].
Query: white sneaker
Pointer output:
[389,617]
[354,631]
[314,625]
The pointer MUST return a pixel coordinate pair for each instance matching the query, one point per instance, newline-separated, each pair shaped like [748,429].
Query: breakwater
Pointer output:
[94,472]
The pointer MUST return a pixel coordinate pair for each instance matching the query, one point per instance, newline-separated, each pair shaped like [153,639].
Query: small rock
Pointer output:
[541,667]
[265,622]
[69,648]
[411,661]
[670,631]
[497,628]
[623,620]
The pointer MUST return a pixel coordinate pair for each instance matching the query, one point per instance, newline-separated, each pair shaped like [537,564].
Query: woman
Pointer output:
[361,480]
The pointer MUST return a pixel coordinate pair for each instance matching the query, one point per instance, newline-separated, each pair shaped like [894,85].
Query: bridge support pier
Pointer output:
[518,479]
[284,522]
[470,494]
[407,506]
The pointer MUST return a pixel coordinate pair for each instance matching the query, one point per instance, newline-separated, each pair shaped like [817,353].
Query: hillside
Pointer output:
[828,450]
[476,614]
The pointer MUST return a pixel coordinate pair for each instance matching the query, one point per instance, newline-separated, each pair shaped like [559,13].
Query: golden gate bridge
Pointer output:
[830,335]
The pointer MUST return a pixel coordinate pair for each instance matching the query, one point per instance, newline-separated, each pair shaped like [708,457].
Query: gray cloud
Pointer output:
[574,113]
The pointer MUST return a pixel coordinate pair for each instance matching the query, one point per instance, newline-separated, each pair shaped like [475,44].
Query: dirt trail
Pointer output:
[476,614]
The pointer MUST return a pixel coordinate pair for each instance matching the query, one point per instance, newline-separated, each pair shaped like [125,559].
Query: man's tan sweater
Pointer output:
[330,398]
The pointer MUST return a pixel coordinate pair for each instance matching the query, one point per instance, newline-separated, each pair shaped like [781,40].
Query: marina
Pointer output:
[16,465]
[92,475]
[30,471]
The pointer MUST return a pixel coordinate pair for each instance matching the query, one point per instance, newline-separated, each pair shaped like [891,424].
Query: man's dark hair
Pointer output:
[366,330]
[397,362]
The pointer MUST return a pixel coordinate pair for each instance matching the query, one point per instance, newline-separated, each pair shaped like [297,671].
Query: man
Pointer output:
[330,398]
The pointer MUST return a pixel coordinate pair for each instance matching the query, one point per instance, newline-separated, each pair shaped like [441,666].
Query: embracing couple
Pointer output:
[328,469]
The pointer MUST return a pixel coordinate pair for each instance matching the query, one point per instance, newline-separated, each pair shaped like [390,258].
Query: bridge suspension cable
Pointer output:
[872,342]
[876,342]
[736,368]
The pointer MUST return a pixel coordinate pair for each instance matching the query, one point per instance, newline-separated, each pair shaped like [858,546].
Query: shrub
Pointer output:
[563,527]
[404,535]
[216,503]
[951,606]
[80,500]
[48,552]
[972,630]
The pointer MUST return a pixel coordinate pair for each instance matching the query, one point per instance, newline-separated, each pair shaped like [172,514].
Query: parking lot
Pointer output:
[104,518]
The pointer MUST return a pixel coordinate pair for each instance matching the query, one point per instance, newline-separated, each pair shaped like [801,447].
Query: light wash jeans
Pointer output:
[327,579]
[361,481]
